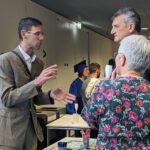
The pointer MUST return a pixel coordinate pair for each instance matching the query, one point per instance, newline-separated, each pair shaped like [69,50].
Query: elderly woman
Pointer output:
[120,108]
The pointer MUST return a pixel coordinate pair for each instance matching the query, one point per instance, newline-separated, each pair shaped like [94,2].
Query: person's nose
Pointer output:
[41,37]
[112,31]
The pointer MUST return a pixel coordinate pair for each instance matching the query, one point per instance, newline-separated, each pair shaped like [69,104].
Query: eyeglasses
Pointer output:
[37,33]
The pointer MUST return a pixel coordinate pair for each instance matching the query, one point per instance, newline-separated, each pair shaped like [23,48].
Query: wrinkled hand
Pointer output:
[114,75]
[60,95]
[46,74]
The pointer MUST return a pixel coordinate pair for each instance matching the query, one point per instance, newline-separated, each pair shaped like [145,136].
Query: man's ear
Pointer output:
[23,34]
[131,27]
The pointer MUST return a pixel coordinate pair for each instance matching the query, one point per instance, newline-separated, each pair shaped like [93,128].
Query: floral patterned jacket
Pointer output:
[120,109]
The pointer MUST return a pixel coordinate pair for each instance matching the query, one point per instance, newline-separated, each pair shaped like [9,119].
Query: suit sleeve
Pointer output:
[43,98]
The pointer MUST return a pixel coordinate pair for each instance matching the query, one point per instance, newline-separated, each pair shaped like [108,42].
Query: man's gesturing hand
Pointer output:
[60,95]
[46,74]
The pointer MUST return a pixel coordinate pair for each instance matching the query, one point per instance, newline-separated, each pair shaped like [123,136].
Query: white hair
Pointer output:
[136,49]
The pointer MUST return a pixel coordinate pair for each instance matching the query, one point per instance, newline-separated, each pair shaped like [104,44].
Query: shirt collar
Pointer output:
[26,56]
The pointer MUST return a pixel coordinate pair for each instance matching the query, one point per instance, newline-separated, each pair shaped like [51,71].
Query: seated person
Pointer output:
[121,107]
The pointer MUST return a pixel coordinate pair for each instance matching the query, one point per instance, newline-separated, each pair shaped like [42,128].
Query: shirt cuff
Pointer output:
[50,98]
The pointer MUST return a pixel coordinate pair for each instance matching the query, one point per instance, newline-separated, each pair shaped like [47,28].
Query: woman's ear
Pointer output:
[123,60]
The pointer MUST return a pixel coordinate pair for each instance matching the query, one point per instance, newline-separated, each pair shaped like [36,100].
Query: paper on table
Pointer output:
[66,122]
[75,118]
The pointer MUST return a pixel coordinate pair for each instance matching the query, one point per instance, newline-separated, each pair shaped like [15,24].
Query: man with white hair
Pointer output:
[120,108]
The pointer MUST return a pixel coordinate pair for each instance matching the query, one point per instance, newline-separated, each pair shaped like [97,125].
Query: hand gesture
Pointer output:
[114,75]
[46,74]
[60,95]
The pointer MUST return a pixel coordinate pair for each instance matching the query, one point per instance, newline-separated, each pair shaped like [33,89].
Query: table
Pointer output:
[73,143]
[47,114]
[46,108]
[67,122]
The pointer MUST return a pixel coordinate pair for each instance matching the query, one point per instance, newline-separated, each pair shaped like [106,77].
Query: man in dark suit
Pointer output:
[22,77]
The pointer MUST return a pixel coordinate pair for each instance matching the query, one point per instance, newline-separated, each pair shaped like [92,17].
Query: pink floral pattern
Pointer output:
[121,110]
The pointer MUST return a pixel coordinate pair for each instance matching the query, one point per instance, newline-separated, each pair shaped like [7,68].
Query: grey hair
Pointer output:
[136,49]
[131,16]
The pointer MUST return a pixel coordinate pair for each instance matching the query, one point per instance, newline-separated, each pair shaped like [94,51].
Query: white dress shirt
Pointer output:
[27,58]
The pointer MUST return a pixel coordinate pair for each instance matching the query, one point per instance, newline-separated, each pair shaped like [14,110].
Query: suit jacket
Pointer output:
[17,98]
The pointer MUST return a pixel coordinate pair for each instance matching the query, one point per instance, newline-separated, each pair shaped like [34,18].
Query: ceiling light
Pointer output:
[144,28]
[79,25]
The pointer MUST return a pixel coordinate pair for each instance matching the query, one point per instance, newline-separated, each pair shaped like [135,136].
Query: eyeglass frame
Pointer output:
[38,33]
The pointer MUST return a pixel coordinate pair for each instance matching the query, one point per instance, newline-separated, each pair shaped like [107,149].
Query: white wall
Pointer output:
[101,50]
[65,45]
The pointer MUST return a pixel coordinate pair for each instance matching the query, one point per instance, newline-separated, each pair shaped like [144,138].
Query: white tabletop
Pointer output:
[73,143]
[68,122]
